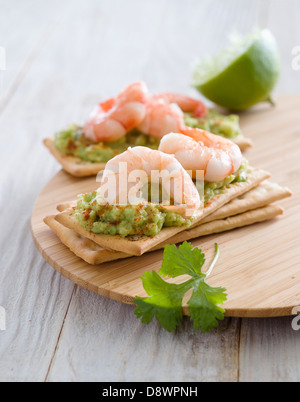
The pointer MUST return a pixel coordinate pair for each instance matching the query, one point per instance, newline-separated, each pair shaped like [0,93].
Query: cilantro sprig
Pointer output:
[165,298]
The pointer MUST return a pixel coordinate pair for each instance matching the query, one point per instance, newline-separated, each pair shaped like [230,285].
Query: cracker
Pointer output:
[138,245]
[242,142]
[234,190]
[75,166]
[93,254]
[66,205]
[223,225]
[135,245]
[84,248]
[264,194]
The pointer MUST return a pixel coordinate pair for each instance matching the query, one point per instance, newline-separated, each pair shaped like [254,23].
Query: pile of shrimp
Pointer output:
[154,115]
[162,116]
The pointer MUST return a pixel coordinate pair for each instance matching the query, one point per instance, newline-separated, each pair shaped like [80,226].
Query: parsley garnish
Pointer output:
[165,299]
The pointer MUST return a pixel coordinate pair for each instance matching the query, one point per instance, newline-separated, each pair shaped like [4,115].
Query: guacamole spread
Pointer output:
[124,220]
[141,219]
[72,141]
[216,123]
[213,189]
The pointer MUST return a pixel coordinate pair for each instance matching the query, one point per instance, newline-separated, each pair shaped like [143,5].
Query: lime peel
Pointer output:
[241,75]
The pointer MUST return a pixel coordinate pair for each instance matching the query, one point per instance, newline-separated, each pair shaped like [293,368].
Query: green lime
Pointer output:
[241,75]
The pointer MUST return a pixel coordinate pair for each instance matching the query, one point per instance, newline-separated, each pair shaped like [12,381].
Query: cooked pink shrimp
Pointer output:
[142,166]
[164,113]
[113,118]
[186,103]
[197,149]
[161,118]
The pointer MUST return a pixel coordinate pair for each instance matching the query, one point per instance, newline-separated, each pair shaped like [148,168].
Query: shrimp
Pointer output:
[197,149]
[112,119]
[186,103]
[142,165]
[161,118]
[165,113]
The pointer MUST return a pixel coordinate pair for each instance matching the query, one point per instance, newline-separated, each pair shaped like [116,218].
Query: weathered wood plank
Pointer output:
[103,341]
[35,298]
[24,26]
[269,351]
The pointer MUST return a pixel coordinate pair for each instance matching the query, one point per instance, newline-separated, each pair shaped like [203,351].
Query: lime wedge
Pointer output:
[243,74]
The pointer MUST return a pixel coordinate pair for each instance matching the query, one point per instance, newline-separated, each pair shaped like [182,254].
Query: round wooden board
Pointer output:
[259,265]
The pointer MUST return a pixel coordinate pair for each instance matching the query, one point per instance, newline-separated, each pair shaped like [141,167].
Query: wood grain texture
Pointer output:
[62,57]
[148,353]
[275,345]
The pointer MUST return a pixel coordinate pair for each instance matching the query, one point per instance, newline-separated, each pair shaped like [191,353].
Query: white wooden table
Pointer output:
[61,58]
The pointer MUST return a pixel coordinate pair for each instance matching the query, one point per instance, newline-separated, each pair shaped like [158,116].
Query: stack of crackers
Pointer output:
[240,204]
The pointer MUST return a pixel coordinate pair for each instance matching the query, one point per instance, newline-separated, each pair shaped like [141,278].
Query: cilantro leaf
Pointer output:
[165,298]
[182,260]
[203,306]
[164,303]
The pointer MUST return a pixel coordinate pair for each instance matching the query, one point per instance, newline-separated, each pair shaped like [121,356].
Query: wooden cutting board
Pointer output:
[259,265]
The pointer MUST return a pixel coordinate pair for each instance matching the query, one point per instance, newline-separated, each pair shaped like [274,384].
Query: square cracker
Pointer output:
[94,254]
[264,194]
[84,248]
[242,142]
[137,245]
[75,166]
